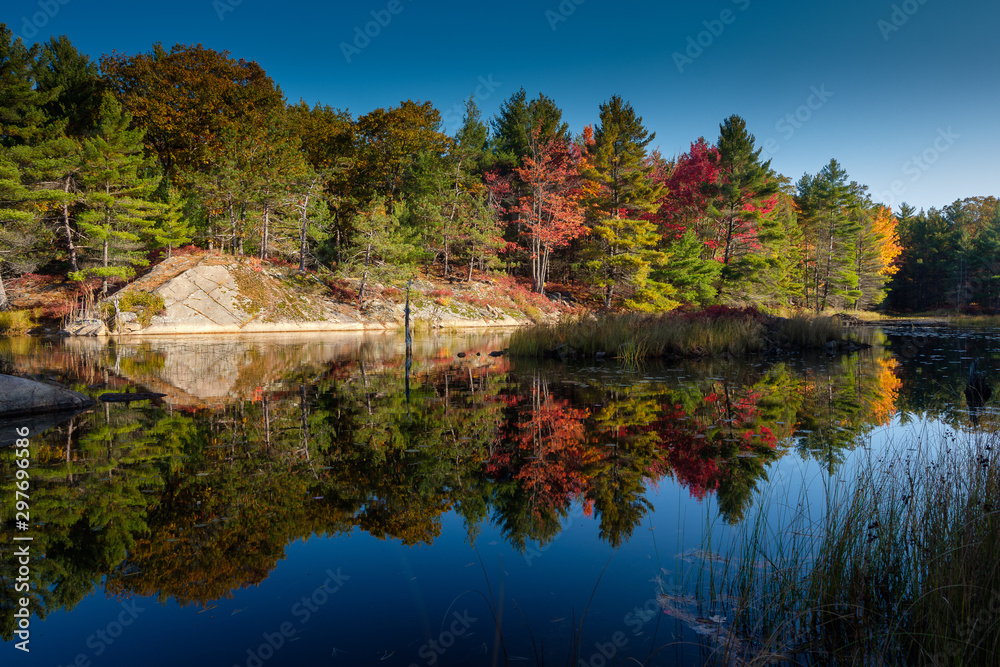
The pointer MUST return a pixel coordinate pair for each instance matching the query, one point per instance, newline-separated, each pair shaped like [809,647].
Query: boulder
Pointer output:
[19,396]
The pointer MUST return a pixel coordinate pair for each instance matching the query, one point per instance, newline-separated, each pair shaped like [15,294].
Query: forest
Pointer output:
[109,166]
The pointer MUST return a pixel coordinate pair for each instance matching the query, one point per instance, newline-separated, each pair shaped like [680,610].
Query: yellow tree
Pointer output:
[877,249]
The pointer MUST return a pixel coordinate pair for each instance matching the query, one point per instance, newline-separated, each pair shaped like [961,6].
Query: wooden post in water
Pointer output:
[409,345]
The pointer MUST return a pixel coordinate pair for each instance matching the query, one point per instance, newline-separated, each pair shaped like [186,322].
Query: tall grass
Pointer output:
[974,320]
[900,567]
[635,336]
[16,322]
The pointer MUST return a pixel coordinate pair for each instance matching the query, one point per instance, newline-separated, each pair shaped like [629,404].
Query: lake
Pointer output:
[298,500]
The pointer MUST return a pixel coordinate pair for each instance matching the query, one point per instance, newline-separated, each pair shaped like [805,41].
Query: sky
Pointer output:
[904,95]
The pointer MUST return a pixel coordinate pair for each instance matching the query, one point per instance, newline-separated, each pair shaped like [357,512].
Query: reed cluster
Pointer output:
[900,567]
[637,336]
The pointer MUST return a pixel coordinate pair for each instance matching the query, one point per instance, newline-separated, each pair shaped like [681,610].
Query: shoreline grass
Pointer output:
[899,568]
[17,322]
[638,336]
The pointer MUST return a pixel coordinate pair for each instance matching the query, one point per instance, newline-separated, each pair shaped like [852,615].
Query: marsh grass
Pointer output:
[16,322]
[635,336]
[974,320]
[900,567]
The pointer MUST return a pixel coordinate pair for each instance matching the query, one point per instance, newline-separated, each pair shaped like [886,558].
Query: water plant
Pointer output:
[898,567]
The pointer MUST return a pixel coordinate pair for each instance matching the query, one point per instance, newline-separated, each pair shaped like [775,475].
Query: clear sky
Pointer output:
[905,95]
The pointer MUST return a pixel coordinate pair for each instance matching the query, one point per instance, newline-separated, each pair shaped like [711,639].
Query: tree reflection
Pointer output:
[194,502]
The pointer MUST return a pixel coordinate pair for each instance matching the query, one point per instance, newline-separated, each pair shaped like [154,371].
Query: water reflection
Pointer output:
[260,443]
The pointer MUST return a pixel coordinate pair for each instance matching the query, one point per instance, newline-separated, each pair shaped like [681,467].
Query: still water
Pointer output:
[289,502]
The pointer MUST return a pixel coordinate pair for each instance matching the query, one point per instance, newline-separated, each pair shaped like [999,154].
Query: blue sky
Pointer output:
[905,95]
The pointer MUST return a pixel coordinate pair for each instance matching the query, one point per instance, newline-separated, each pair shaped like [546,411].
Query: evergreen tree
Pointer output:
[691,276]
[74,83]
[173,227]
[381,249]
[825,201]
[518,121]
[741,198]
[116,182]
[622,250]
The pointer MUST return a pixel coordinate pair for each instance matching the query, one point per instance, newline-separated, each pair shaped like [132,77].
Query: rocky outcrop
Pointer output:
[211,293]
[20,396]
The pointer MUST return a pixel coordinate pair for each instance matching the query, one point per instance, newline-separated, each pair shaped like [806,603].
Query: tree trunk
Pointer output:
[302,236]
[265,231]
[243,218]
[3,296]
[69,229]
[104,278]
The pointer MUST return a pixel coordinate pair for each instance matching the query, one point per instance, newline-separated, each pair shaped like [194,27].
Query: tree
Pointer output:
[743,192]
[876,252]
[550,213]
[519,121]
[622,257]
[380,248]
[621,253]
[825,201]
[116,183]
[74,82]
[691,276]
[617,162]
[172,227]
[389,144]
[186,97]
[19,225]
[688,193]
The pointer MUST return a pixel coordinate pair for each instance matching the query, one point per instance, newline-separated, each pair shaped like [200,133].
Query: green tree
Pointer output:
[740,197]
[116,182]
[825,201]
[73,81]
[622,249]
[690,275]
[382,250]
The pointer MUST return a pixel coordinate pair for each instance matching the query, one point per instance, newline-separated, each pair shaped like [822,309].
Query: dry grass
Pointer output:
[16,322]
[899,567]
[637,336]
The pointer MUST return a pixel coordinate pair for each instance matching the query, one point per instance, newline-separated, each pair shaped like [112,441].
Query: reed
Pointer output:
[16,322]
[898,568]
[636,336]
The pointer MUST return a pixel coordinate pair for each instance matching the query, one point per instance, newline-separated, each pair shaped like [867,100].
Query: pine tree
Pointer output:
[742,197]
[622,248]
[173,227]
[19,225]
[691,276]
[116,182]
[825,202]
[74,83]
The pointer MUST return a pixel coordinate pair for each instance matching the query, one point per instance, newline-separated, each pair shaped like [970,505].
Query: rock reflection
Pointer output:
[261,443]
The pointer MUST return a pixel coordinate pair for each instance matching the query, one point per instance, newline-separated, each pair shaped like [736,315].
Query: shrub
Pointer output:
[16,322]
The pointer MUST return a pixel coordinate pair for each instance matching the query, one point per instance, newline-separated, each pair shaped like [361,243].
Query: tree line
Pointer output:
[106,166]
